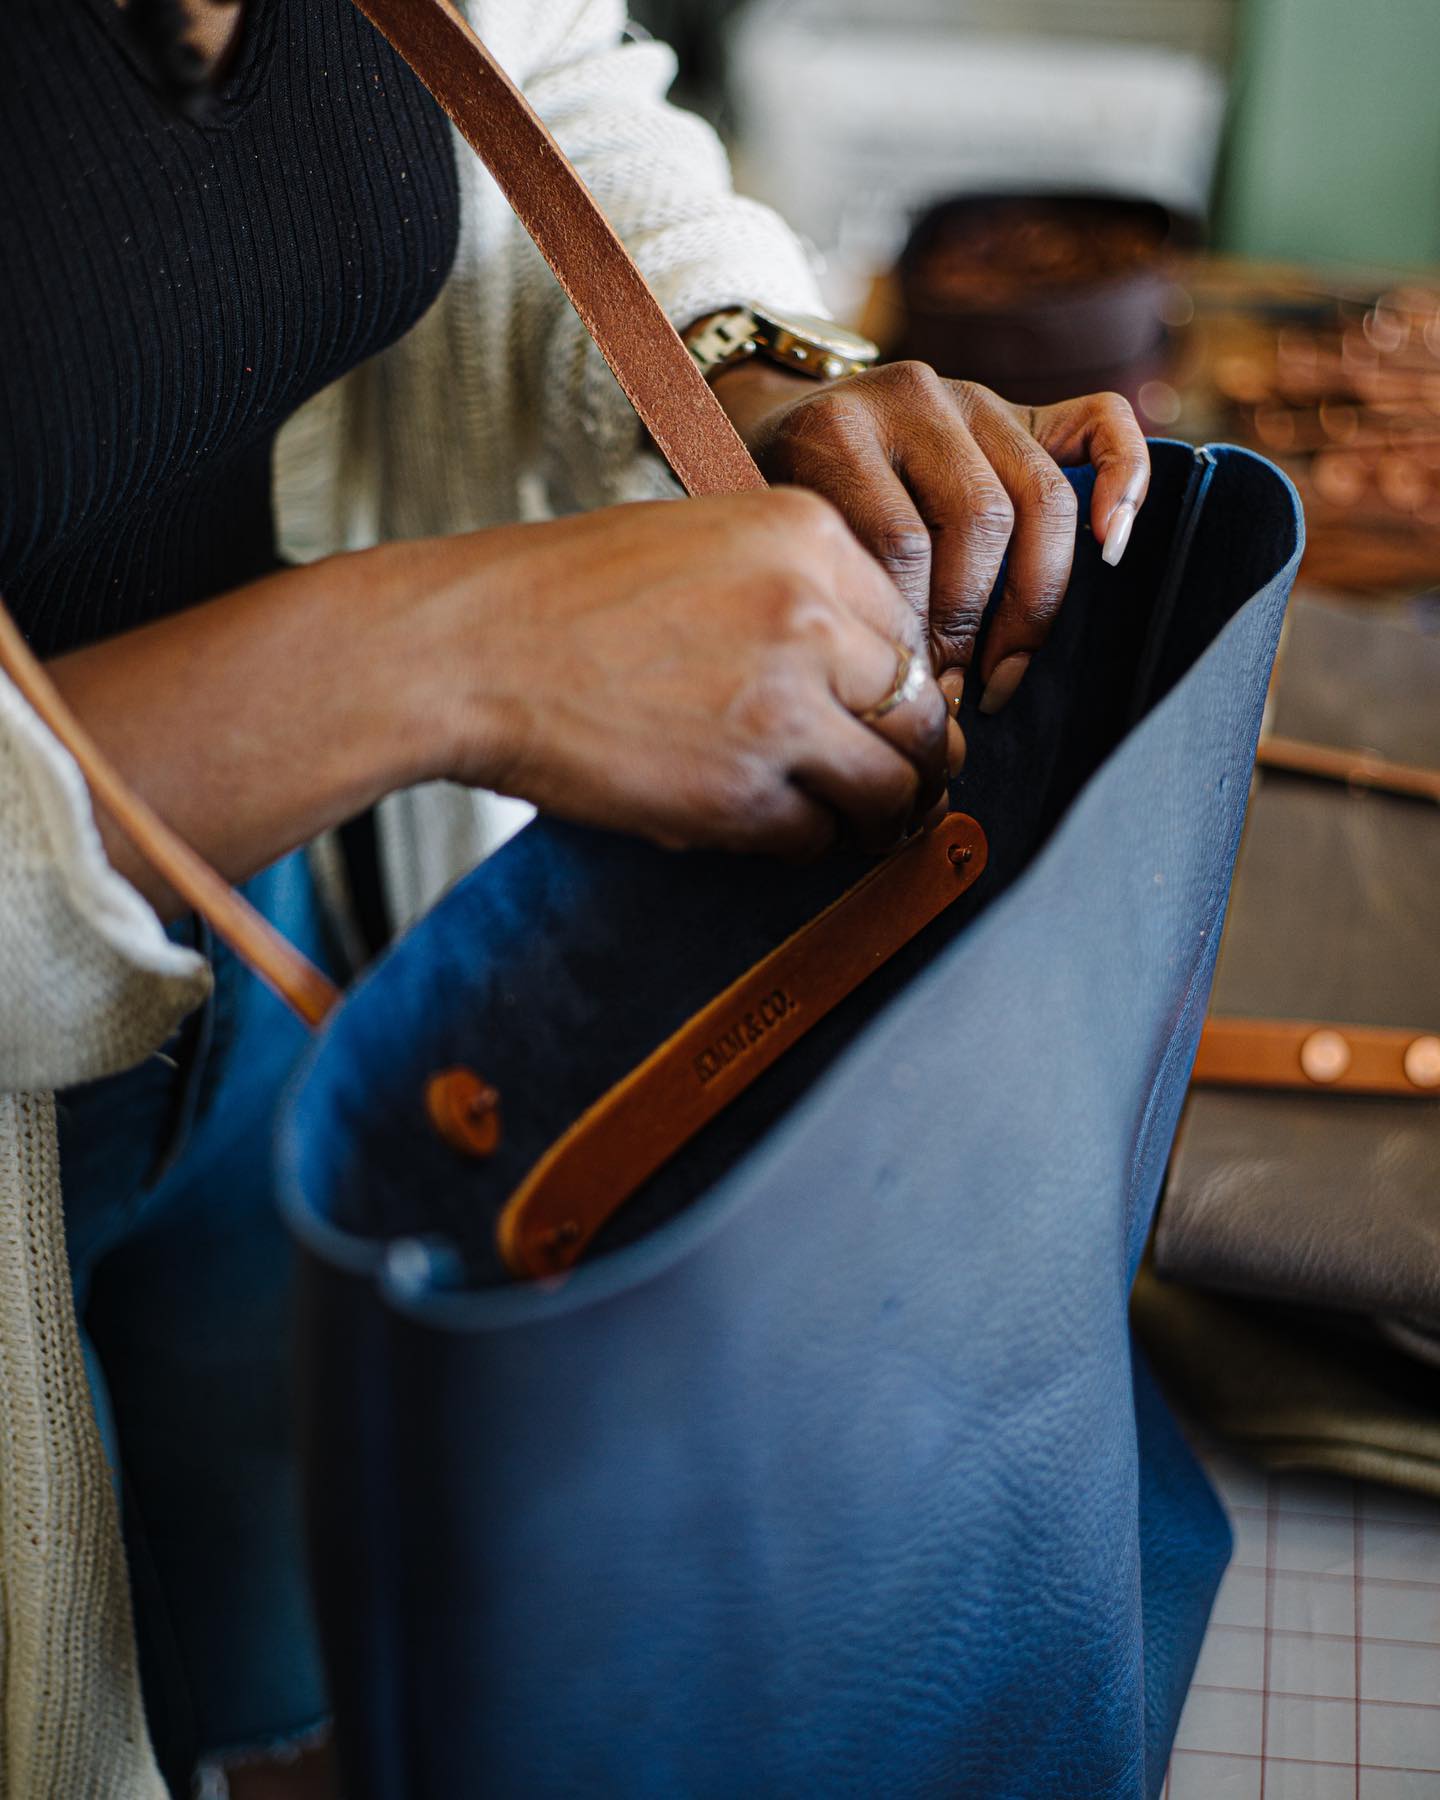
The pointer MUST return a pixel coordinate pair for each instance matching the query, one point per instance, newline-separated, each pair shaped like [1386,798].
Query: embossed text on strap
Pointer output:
[634,1128]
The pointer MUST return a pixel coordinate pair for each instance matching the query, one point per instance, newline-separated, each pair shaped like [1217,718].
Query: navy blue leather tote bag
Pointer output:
[831,1470]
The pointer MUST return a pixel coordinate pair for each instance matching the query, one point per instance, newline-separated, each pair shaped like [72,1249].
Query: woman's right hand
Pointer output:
[693,672]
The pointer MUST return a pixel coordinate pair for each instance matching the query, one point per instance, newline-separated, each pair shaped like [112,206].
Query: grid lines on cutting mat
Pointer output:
[1320,1674]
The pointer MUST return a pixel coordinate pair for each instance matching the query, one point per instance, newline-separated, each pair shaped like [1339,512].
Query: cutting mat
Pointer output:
[1320,1674]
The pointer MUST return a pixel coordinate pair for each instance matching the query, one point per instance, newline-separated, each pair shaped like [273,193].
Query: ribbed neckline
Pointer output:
[249,61]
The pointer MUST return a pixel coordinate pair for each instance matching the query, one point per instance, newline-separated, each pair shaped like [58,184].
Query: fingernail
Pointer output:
[1003,683]
[1117,532]
[952,686]
[954,749]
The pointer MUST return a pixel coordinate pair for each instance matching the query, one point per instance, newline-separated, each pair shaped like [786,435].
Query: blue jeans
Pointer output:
[182,1277]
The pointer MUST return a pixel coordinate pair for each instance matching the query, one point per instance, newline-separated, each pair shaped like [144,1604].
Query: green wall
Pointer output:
[1335,148]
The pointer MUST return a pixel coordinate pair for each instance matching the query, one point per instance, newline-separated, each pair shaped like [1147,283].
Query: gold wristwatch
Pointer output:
[796,341]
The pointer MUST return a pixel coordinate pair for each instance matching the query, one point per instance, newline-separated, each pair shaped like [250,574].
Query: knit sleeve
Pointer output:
[89,982]
[72,1724]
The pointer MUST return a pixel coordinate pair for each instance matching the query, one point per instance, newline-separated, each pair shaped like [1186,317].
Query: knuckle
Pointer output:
[1053,494]
[739,790]
[903,546]
[775,595]
[771,713]
[1039,607]
[974,398]
[915,380]
[829,420]
[1115,406]
[1035,603]
[990,514]
[958,633]
[806,615]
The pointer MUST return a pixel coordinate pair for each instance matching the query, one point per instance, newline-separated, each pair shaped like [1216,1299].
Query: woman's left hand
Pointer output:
[938,479]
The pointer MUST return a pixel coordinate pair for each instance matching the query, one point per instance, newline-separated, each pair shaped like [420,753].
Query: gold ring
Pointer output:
[910,678]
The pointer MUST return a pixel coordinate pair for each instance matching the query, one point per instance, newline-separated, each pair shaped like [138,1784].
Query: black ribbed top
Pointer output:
[171,291]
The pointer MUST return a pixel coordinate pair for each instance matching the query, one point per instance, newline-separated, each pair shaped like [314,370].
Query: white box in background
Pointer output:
[852,118]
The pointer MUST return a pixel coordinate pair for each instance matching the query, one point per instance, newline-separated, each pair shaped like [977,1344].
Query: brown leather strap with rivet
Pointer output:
[645,1119]
[1355,768]
[1310,1056]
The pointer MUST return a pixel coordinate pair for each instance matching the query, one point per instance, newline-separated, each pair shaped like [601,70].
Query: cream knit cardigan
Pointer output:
[495,407]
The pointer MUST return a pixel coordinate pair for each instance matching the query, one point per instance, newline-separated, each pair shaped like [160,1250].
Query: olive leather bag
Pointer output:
[1293,1297]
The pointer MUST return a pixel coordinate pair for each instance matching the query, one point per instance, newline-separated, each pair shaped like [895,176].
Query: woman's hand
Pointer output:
[938,479]
[697,673]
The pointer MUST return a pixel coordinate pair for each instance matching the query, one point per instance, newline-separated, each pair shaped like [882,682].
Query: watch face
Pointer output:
[835,339]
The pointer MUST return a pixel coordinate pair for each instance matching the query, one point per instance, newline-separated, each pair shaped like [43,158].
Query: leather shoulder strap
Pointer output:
[627,322]
[1304,1056]
[249,934]
[1354,768]
[1308,1055]
[659,375]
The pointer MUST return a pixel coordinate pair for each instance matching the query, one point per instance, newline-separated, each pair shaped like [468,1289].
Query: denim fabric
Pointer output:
[832,1473]
[183,1278]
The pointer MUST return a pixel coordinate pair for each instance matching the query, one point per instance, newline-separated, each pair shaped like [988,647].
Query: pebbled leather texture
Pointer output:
[832,1471]
[1313,1198]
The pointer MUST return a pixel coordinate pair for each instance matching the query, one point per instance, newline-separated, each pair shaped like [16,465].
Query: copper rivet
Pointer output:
[960,854]
[1325,1056]
[465,1110]
[1422,1062]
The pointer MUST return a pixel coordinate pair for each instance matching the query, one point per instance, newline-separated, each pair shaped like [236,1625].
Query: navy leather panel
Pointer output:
[833,1473]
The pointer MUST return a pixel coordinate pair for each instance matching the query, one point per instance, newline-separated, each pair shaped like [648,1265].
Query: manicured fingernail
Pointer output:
[954,749]
[952,686]
[1117,532]
[1003,683]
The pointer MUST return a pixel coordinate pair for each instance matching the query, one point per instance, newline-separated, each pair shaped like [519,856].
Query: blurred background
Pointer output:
[1227,209]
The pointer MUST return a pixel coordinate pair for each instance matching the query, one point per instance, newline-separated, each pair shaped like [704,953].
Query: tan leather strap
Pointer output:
[1355,768]
[1304,1056]
[629,326]
[1288,1053]
[252,937]
[695,1074]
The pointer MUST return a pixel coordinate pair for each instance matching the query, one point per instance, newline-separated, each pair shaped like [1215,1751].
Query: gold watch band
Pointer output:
[734,336]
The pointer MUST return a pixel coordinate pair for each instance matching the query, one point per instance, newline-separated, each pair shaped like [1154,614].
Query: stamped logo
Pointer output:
[747,1031]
